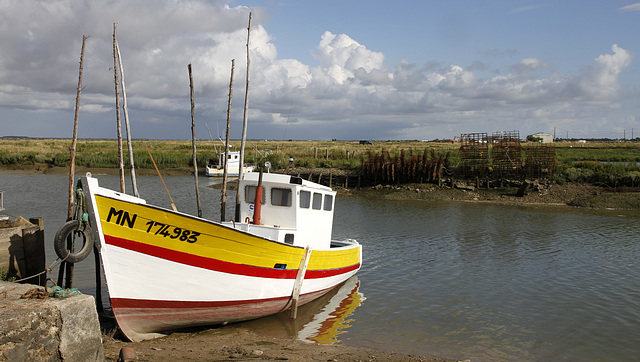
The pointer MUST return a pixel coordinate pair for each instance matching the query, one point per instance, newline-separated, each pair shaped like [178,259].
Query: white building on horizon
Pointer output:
[545,137]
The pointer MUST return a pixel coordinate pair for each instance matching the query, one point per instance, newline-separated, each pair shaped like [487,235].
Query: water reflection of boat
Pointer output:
[332,320]
[320,321]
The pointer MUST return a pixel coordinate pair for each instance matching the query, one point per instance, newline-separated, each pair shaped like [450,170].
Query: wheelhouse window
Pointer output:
[250,194]
[328,202]
[317,201]
[280,196]
[305,199]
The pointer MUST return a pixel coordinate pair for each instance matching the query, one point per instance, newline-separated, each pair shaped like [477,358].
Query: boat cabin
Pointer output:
[293,211]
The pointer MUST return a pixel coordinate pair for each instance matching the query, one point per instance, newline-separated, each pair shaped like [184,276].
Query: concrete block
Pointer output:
[49,329]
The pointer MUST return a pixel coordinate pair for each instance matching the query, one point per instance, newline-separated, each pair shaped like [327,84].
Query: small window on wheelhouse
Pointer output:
[328,202]
[317,201]
[250,194]
[305,199]
[280,196]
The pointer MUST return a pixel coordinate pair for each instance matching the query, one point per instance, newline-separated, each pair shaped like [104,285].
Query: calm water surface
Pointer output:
[458,280]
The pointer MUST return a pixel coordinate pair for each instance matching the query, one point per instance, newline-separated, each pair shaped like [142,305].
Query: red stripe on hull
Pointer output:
[219,265]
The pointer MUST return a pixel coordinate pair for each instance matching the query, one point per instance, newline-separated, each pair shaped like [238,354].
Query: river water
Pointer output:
[458,280]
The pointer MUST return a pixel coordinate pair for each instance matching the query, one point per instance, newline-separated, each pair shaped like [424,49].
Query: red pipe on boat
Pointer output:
[258,201]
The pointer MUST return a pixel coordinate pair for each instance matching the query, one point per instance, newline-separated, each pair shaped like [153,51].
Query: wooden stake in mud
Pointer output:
[225,174]
[193,142]
[119,127]
[173,206]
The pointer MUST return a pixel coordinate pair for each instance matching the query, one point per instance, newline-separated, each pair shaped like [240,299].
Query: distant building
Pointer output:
[545,137]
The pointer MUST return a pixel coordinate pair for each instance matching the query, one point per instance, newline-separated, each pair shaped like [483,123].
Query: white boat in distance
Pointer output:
[233,160]
[167,270]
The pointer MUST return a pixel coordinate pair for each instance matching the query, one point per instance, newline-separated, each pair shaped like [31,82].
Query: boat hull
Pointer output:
[232,172]
[166,270]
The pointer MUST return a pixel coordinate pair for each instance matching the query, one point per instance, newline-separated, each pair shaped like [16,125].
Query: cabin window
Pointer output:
[280,197]
[288,239]
[317,201]
[305,199]
[250,194]
[328,202]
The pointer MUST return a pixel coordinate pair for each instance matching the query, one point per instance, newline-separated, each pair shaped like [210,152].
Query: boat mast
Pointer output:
[126,123]
[193,141]
[72,162]
[244,125]
[119,126]
[225,174]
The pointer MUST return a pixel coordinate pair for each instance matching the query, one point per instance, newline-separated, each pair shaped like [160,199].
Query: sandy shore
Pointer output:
[240,344]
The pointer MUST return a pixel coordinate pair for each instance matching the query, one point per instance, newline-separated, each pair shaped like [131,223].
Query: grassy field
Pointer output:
[176,154]
[610,163]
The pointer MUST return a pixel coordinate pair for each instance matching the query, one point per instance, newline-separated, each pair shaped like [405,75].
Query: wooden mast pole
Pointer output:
[225,174]
[244,124]
[119,127]
[193,141]
[126,122]
[68,267]
[72,149]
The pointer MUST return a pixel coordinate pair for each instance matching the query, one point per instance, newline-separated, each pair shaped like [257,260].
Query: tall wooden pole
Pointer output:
[225,174]
[193,141]
[68,267]
[72,149]
[244,125]
[132,167]
[119,127]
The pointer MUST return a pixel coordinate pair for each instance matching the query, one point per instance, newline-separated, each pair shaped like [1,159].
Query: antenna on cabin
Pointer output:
[267,165]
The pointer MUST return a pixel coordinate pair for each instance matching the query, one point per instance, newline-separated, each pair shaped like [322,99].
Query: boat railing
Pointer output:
[343,243]
[1,200]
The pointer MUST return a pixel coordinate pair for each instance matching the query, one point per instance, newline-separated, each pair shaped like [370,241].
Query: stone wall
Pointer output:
[50,329]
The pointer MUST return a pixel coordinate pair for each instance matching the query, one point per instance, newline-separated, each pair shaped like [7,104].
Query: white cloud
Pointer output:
[601,80]
[631,7]
[349,91]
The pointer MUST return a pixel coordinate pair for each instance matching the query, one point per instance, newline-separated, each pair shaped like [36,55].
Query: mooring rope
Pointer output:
[47,270]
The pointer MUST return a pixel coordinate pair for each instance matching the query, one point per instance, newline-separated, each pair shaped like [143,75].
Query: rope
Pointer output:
[47,270]
[59,292]
[43,293]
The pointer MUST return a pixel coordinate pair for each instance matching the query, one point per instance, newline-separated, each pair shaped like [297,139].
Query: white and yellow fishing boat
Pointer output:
[232,162]
[167,270]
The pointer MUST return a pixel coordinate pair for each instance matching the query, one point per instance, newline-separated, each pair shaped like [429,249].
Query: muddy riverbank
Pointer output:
[236,343]
[569,194]
[549,193]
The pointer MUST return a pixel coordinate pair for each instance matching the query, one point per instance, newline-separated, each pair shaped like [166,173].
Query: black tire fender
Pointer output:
[60,241]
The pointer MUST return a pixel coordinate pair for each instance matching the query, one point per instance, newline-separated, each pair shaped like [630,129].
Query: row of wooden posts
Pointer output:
[406,168]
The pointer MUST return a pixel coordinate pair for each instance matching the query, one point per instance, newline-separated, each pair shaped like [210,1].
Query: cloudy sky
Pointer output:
[347,70]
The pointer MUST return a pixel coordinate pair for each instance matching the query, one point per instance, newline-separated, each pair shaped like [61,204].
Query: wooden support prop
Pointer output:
[297,286]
